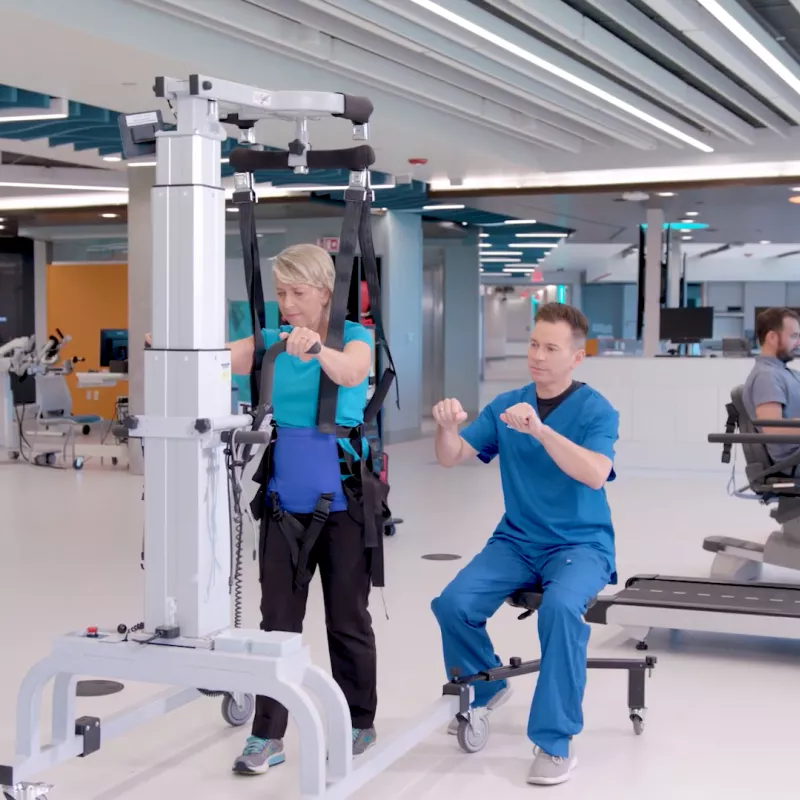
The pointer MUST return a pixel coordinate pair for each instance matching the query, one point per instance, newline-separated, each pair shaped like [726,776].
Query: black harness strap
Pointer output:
[345,259]
[370,265]
[301,539]
[245,202]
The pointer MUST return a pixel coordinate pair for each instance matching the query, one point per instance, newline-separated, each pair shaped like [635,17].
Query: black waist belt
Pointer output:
[301,539]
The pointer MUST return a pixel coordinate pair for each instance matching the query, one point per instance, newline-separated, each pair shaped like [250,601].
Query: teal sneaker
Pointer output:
[363,739]
[259,755]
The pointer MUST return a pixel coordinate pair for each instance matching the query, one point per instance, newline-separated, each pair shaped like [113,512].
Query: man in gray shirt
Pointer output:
[772,390]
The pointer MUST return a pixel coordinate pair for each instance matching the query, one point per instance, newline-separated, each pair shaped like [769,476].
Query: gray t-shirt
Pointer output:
[771,381]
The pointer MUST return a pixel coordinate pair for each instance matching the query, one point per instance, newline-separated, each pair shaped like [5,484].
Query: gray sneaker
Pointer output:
[363,739]
[550,770]
[259,755]
[497,700]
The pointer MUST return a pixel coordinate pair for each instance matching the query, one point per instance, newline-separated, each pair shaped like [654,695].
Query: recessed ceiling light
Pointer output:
[795,189]
[112,159]
[2,227]
[233,210]
[109,215]
[692,213]
[484,244]
[520,222]
[687,238]
[795,199]
[765,241]
[435,207]
[686,220]
[666,194]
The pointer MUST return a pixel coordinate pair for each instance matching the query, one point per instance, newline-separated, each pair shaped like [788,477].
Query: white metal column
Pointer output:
[187,375]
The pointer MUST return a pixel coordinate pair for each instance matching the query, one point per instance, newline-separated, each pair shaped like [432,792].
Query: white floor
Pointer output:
[723,711]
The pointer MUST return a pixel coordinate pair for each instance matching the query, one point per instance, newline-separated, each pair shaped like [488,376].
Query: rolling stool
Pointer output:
[473,729]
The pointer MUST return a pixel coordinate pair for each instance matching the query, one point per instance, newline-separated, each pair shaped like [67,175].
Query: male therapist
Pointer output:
[772,390]
[555,438]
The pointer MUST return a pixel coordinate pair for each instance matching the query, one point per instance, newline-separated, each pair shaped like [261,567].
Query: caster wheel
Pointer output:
[642,646]
[86,430]
[638,724]
[50,459]
[14,456]
[236,715]
[472,739]
[78,463]
[114,461]
[389,530]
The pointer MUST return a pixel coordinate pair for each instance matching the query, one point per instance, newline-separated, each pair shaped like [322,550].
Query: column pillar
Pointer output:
[42,256]
[399,239]
[652,282]
[462,323]
[674,269]
[140,290]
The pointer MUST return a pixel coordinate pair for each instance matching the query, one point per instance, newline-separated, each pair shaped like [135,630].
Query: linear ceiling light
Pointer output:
[537,245]
[541,235]
[454,207]
[60,186]
[751,42]
[500,260]
[500,253]
[82,200]
[58,109]
[435,8]
[640,176]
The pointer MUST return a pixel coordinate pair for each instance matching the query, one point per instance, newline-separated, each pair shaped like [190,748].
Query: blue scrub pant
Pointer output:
[571,576]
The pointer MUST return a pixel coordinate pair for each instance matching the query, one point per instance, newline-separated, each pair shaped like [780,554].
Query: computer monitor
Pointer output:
[113,345]
[684,325]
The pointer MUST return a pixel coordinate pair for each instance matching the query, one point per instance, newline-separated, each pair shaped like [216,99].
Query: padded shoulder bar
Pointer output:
[355,159]
[356,109]
[754,438]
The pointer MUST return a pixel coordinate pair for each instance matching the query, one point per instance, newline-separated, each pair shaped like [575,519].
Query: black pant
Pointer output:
[345,573]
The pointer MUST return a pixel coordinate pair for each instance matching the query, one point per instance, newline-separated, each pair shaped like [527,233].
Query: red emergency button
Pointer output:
[92,632]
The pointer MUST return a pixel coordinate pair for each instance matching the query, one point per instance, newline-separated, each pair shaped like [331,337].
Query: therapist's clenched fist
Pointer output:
[522,417]
[449,413]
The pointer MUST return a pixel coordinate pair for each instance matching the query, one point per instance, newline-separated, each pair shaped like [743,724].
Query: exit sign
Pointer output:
[536,276]
[329,243]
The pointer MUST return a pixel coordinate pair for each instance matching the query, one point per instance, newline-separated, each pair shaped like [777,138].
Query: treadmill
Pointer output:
[725,602]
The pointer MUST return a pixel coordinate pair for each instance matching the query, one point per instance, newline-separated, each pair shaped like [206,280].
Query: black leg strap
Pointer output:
[301,539]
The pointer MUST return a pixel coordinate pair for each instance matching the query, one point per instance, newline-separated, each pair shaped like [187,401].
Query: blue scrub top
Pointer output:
[545,507]
[305,461]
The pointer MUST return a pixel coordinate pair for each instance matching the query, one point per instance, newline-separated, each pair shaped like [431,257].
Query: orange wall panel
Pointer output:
[81,300]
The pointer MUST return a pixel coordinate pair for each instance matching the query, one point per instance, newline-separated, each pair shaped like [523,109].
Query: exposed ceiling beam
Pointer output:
[635,67]
[476,27]
[694,22]
[40,148]
[641,26]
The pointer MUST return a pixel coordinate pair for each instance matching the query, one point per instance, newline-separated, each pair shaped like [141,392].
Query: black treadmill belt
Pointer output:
[699,596]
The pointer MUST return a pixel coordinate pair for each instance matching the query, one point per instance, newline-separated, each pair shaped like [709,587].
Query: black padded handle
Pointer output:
[245,159]
[356,109]
[754,438]
[776,423]
[247,437]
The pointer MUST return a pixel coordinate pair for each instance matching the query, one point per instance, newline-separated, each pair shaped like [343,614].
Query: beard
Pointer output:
[785,355]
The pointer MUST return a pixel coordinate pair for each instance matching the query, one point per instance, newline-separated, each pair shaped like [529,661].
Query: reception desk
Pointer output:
[667,407]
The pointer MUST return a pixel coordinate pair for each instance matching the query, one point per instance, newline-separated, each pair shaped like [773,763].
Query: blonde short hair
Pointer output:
[307,264]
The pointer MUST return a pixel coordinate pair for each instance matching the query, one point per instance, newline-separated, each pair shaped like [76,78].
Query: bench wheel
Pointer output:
[78,462]
[234,714]
[637,718]
[472,737]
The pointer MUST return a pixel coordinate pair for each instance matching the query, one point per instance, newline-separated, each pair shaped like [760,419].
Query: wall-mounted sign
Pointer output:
[329,243]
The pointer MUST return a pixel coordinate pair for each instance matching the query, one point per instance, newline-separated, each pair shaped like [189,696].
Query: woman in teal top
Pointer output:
[305,465]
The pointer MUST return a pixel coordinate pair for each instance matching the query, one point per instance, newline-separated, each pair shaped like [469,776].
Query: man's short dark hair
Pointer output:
[772,319]
[559,312]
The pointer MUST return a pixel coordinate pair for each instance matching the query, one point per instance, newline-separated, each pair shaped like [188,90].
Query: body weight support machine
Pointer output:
[186,640]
